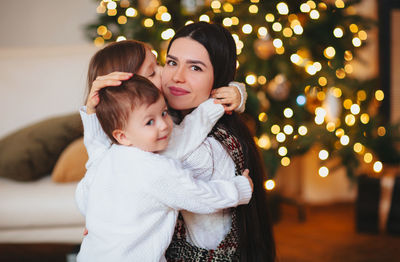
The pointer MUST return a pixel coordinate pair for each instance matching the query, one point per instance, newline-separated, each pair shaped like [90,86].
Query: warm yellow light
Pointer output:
[112,12]
[350,120]
[280,50]
[311,69]
[122,20]
[167,34]
[264,142]
[358,147]
[102,30]
[275,129]
[348,69]
[339,132]
[280,137]
[269,18]
[263,117]
[276,26]
[165,17]
[347,103]
[339,3]
[99,41]
[323,171]
[330,126]
[148,22]
[251,79]
[288,129]
[162,9]
[314,14]
[296,59]
[247,28]
[108,35]
[345,140]
[319,120]
[378,166]
[288,112]
[262,80]
[270,184]
[338,32]
[305,8]
[337,92]
[361,95]
[368,158]
[277,43]
[322,81]
[215,4]
[228,7]
[124,3]
[379,95]
[302,130]
[282,8]
[311,4]
[381,131]
[356,41]
[329,52]
[348,56]
[253,9]
[282,151]
[101,9]
[340,73]
[287,32]
[285,161]
[362,35]
[154,52]
[131,12]
[235,20]
[317,66]
[353,28]
[321,95]
[364,118]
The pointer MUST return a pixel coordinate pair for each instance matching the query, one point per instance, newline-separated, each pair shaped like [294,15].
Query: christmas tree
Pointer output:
[296,59]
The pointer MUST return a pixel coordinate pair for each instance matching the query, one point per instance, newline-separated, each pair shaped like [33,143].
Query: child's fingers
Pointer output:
[115,76]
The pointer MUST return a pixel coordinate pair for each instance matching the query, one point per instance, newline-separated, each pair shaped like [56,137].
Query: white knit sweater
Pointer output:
[207,160]
[130,199]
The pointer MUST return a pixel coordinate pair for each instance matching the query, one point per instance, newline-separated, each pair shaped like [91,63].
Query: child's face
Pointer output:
[149,127]
[151,69]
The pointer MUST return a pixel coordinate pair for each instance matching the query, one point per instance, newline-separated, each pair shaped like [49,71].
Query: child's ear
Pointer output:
[121,138]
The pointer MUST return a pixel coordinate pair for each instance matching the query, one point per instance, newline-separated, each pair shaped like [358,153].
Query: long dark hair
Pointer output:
[255,228]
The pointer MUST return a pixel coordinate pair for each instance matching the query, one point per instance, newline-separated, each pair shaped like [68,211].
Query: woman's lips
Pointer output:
[176,91]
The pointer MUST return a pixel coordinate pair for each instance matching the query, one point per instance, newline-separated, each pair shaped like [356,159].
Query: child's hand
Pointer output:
[85,231]
[112,79]
[228,96]
[246,175]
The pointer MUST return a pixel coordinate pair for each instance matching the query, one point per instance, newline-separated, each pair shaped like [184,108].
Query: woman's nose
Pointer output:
[178,75]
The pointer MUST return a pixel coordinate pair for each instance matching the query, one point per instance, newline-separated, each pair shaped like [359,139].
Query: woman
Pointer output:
[200,58]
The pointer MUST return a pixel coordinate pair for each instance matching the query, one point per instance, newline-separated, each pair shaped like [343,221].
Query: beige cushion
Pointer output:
[70,167]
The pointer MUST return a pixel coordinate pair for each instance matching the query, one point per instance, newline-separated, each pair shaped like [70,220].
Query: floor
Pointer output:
[328,235]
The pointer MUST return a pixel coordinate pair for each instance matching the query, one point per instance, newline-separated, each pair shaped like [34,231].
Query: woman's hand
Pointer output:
[112,79]
[246,175]
[228,96]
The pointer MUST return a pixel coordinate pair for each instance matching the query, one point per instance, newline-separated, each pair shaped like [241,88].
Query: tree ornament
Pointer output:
[312,101]
[264,48]
[332,107]
[148,7]
[279,88]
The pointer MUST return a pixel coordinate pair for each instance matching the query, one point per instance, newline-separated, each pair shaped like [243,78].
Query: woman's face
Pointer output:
[188,75]
[151,69]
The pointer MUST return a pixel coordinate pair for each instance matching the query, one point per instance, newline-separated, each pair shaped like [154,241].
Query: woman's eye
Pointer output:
[196,68]
[150,123]
[164,113]
[171,62]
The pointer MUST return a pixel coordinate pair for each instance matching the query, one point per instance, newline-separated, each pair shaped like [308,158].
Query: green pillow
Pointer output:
[31,152]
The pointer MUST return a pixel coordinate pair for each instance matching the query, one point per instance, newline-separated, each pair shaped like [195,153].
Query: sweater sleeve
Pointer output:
[243,94]
[81,195]
[176,188]
[193,130]
[94,138]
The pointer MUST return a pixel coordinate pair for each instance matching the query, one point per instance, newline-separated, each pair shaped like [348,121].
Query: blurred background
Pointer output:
[324,107]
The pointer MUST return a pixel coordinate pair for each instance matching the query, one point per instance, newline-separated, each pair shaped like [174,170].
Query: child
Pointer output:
[130,195]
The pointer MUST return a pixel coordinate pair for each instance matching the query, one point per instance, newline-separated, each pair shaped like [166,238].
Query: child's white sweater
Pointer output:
[131,198]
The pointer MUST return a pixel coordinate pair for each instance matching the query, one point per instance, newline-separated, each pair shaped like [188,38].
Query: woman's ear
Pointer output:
[121,138]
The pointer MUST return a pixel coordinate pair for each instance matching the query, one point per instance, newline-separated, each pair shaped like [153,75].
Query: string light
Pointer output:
[323,171]
[285,161]
[275,129]
[247,28]
[131,12]
[378,166]
[269,184]
[302,130]
[288,112]
[379,95]
[282,8]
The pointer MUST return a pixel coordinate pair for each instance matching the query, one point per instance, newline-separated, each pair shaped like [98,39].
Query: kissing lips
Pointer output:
[176,91]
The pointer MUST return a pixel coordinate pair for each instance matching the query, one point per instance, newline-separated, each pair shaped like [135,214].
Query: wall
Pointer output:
[43,59]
